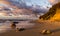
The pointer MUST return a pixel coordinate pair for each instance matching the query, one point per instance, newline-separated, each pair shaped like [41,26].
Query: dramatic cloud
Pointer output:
[16,6]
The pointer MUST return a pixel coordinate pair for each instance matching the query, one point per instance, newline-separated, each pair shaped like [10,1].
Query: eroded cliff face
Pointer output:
[56,17]
[53,14]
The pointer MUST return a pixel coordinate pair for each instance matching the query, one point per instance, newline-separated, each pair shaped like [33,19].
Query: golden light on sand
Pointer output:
[3,29]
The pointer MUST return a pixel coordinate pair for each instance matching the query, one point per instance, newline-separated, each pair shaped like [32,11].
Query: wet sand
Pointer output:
[35,31]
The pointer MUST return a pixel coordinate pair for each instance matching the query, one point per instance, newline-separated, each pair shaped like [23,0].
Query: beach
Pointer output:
[34,30]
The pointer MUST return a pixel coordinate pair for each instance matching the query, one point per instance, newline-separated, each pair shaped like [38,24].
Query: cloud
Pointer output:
[4,2]
[16,4]
[53,1]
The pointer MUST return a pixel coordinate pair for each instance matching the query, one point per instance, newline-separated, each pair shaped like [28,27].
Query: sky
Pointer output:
[48,3]
[42,3]
[39,2]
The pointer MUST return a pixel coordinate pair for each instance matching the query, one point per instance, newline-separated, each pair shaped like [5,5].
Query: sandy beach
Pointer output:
[35,30]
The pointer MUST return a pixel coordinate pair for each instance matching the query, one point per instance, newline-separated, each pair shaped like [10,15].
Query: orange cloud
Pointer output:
[52,1]
[4,2]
